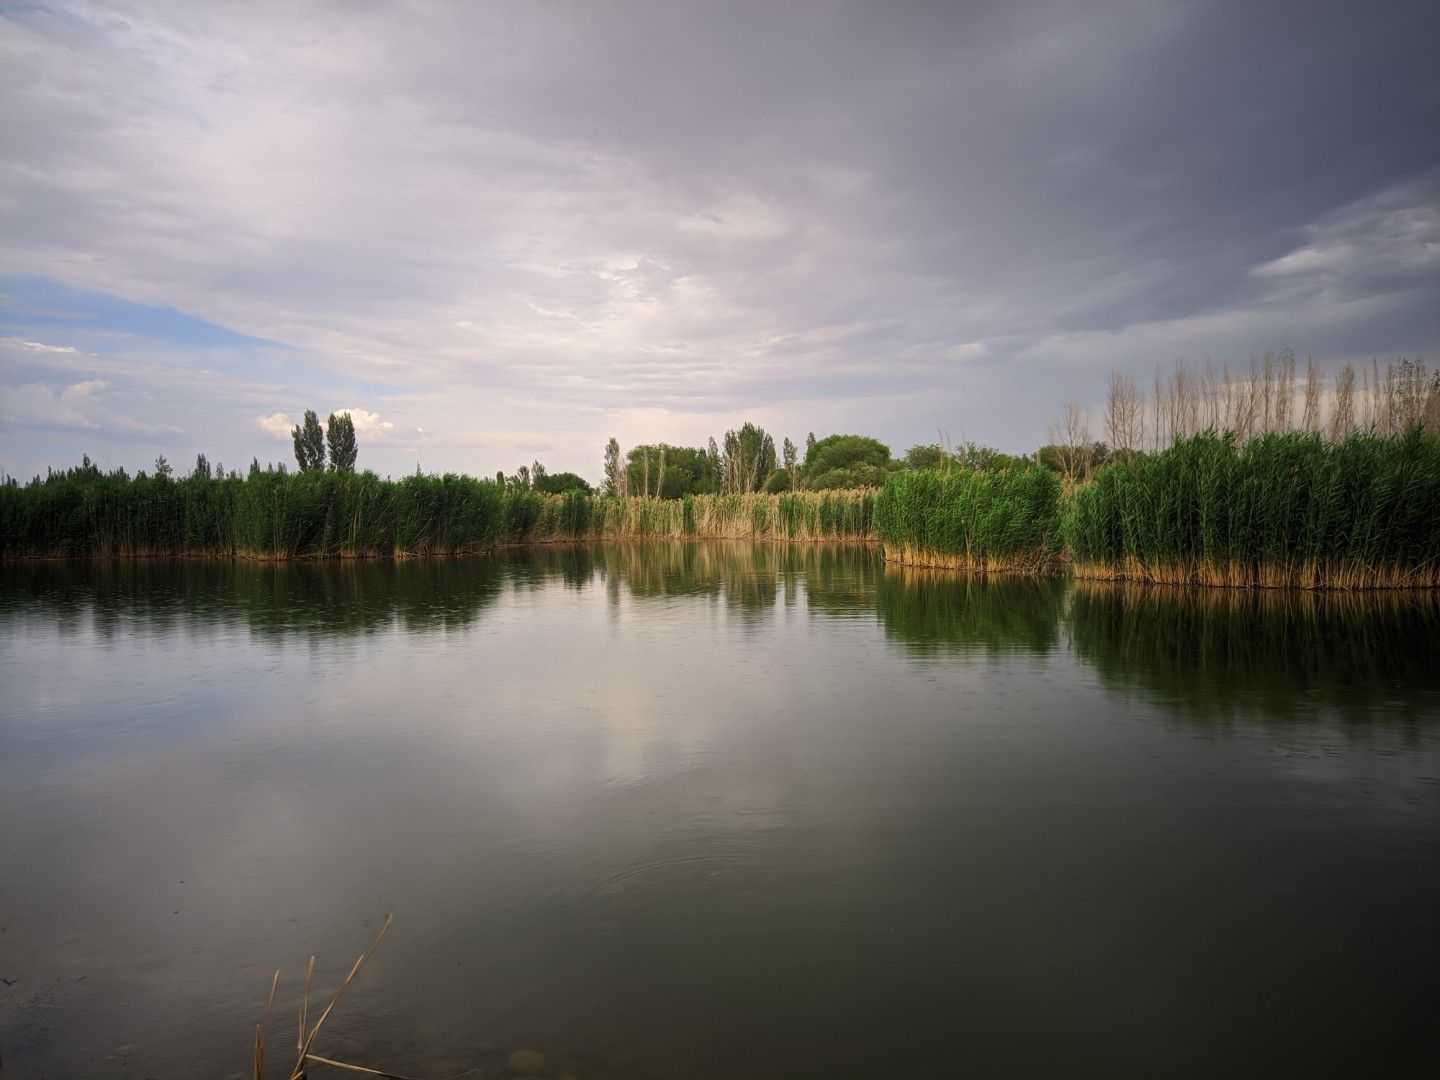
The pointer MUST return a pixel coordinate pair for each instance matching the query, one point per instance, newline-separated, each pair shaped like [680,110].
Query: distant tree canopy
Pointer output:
[922,456]
[559,483]
[969,455]
[671,472]
[659,470]
[845,461]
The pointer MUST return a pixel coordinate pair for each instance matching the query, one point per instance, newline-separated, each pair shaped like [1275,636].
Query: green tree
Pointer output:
[670,472]
[716,463]
[846,461]
[162,467]
[788,456]
[309,442]
[559,483]
[202,468]
[930,456]
[340,434]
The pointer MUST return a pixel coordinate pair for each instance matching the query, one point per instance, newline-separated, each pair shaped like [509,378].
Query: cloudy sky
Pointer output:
[502,231]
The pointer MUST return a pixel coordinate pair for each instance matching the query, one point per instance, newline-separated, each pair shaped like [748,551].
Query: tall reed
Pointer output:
[1282,510]
[274,515]
[800,516]
[1001,520]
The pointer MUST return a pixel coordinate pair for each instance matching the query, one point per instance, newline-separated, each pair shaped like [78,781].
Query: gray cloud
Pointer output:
[516,224]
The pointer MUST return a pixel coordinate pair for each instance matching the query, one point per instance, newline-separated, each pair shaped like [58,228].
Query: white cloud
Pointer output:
[1374,244]
[277,424]
[36,405]
[498,225]
[367,422]
[41,347]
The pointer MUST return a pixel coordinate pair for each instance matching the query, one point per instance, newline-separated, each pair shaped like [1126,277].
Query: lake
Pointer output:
[714,811]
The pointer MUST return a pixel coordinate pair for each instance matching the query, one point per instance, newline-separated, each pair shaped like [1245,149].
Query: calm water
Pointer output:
[690,811]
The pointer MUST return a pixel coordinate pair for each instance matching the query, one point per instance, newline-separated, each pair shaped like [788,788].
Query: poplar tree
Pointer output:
[340,434]
[309,443]
[615,478]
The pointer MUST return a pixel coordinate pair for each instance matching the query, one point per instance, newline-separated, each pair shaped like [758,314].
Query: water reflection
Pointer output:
[332,598]
[1209,654]
[1220,654]
[933,611]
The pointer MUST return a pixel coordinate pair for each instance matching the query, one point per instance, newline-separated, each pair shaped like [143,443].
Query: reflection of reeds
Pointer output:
[1271,652]
[941,609]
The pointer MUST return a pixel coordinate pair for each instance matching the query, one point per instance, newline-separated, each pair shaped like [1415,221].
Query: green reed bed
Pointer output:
[274,515]
[1282,510]
[269,515]
[1006,520]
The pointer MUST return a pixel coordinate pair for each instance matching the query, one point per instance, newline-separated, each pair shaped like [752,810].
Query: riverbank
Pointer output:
[1280,511]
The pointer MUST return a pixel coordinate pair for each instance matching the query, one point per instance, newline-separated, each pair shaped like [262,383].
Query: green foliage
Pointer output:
[973,456]
[1283,509]
[340,435]
[1008,519]
[560,483]
[845,461]
[309,442]
[932,456]
[270,514]
[670,472]
[778,481]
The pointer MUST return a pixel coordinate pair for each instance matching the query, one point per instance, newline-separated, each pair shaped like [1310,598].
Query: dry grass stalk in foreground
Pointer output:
[305,1057]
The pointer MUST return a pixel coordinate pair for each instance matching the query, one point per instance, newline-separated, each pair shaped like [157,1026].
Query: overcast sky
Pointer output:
[503,231]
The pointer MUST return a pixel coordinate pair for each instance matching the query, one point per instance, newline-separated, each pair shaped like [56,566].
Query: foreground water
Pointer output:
[707,811]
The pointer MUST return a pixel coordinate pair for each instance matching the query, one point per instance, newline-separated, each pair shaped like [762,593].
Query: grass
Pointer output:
[305,1055]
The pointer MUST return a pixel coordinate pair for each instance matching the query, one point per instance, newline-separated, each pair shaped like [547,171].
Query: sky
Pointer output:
[504,231]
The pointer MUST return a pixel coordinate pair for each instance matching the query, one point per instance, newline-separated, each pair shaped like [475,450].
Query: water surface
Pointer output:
[715,811]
